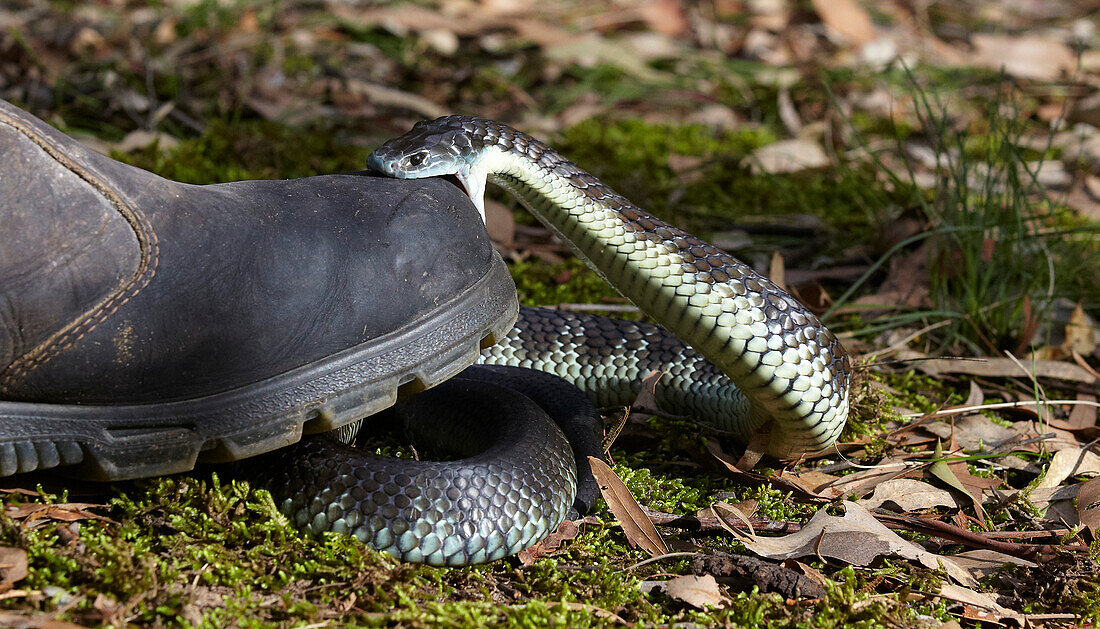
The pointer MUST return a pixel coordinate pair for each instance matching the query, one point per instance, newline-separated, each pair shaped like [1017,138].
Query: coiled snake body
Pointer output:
[753,355]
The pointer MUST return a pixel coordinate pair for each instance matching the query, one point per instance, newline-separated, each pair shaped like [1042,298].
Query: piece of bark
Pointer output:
[748,571]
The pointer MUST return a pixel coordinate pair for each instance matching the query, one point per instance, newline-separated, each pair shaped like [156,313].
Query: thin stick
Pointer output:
[985,407]
[708,524]
[962,536]
[645,562]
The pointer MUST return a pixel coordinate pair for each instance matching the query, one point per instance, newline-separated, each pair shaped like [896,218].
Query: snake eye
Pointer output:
[417,159]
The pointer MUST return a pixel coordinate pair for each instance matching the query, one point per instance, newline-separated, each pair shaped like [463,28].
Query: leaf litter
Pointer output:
[1024,459]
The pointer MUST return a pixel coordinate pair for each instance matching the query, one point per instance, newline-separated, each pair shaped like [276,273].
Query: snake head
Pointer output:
[434,148]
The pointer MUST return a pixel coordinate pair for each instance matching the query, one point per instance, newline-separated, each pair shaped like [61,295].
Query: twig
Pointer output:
[986,407]
[1026,534]
[935,528]
[708,524]
[968,538]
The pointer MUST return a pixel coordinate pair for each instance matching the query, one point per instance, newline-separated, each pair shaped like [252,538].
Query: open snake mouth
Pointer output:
[454,180]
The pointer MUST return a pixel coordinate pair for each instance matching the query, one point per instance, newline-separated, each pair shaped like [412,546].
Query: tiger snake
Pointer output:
[745,356]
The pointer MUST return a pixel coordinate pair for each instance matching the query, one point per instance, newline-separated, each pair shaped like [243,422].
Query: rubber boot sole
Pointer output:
[118,442]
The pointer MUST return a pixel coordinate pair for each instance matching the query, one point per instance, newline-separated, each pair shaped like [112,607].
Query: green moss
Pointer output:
[634,155]
[250,150]
[542,284]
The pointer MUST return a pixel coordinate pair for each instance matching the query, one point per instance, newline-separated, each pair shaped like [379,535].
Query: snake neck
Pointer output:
[790,368]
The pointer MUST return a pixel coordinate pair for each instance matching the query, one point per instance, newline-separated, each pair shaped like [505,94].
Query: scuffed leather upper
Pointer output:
[180,291]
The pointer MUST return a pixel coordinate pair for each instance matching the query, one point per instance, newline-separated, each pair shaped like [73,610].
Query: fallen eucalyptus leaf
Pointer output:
[909,495]
[847,19]
[566,531]
[1027,57]
[788,156]
[982,563]
[989,610]
[1000,367]
[866,480]
[1080,337]
[856,538]
[1070,462]
[698,591]
[972,431]
[13,566]
[37,621]
[31,513]
[1088,509]
[639,531]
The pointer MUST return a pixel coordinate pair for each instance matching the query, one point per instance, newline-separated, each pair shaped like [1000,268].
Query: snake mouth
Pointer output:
[455,181]
[472,182]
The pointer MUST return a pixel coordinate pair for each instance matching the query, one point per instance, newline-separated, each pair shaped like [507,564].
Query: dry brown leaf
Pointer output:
[1088,506]
[788,156]
[664,16]
[13,566]
[387,96]
[21,492]
[688,168]
[781,481]
[566,531]
[982,563]
[1000,367]
[646,402]
[971,432]
[957,475]
[62,512]
[639,531]
[1080,360]
[1055,439]
[723,511]
[847,19]
[1070,462]
[1028,57]
[777,270]
[906,283]
[975,397]
[909,495]
[987,609]
[866,480]
[591,49]
[1031,325]
[1081,416]
[139,139]
[806,570]
[856,538]
[1080,337]
[812,294]
[38,621]
[700,592]
[754,449]
[816,480]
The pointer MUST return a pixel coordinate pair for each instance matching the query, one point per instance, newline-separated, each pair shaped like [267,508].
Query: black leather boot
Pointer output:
[147,324]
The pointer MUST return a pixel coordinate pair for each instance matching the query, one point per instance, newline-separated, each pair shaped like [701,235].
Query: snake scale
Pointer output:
[744,354]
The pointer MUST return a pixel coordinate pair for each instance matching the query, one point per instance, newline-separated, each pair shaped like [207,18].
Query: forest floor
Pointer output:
[923,175]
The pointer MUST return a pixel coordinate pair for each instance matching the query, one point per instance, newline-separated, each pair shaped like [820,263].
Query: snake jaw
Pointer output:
[472,179]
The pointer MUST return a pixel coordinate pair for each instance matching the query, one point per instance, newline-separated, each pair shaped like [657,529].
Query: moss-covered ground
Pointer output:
[204,550]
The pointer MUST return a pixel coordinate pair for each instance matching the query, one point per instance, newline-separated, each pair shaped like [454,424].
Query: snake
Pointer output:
[734,350]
